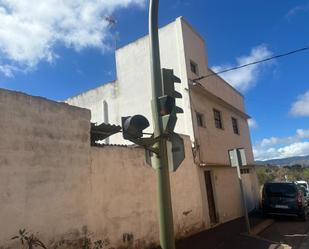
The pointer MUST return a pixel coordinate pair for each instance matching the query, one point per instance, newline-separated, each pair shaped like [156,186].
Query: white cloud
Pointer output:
[31,29]
[252,123]
[294,149]
[280,147]
[264,154]
[7,70]
[300,108]
[297,9]
[269,141]
[245,78]
[298,136]
[301,133]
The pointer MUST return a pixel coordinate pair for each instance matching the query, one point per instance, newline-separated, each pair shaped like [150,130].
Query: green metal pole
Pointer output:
[160,162]
[242,192]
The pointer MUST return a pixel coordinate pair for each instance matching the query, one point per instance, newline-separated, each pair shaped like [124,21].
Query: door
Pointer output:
[210,197]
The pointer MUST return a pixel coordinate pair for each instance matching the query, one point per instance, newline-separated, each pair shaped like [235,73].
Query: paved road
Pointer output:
[287,230]
[230,235]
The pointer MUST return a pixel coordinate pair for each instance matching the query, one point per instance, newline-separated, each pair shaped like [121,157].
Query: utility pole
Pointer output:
[164,150]
[243,199]
[160,161]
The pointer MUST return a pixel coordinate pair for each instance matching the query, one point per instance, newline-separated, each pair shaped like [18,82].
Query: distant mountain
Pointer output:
[301,160]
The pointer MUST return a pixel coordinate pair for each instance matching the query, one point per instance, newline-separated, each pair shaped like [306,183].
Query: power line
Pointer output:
[251,63]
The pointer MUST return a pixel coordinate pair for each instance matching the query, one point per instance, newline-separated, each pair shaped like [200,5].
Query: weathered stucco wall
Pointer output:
[53,183]
[227,193]
[215,143]
[212,152]
[44,158]
[94,100]
[124,199]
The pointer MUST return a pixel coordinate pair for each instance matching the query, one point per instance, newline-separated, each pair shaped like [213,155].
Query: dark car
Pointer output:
[284,198]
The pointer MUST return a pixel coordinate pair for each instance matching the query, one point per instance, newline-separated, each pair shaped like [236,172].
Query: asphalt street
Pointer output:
[287,230]
[283,233]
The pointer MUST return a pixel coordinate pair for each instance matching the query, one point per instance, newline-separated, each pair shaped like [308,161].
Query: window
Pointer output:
[218,119]
[281,189]
[200,119]
[235,125]
[244,171]
[194,68]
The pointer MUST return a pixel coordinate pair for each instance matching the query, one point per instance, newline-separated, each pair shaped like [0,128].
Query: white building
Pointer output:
[214,114]
[130,93]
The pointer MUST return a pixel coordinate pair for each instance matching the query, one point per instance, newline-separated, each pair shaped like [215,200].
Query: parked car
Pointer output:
[284,198]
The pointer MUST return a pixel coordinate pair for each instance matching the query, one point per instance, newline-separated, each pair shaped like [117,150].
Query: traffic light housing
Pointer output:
[133,126]
[169,79]
[167,102]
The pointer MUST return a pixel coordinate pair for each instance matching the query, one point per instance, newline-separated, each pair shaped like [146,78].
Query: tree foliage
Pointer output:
[267,173]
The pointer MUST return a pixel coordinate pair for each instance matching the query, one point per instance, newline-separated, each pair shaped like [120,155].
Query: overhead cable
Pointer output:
[251,63]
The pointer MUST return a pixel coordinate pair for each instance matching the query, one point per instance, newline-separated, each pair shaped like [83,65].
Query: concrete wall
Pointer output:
[214,143]
[217,86]
[124,200]
[227,196]
[44,165]
[54,184]
[226,192]
[94,100]
[212,146]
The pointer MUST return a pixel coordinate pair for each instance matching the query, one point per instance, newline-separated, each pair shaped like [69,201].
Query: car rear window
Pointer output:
[281,189]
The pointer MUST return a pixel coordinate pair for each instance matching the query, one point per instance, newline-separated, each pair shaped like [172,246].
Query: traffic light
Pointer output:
[133,126]
[165,106]
[167,102]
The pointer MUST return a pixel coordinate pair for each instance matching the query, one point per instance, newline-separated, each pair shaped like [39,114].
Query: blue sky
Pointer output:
[58,49]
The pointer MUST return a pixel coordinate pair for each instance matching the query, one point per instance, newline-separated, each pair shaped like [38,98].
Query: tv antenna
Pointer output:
[112,24]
